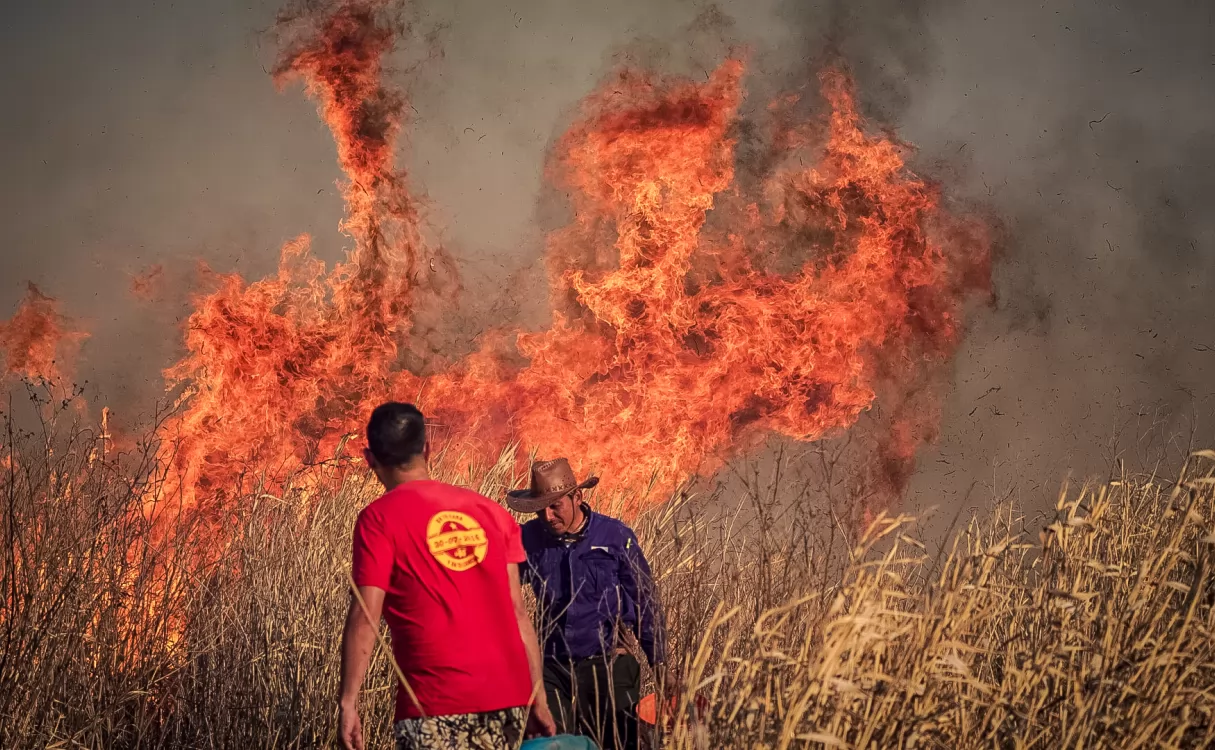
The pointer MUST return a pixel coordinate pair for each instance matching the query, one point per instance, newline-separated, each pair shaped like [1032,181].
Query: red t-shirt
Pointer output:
[440,552]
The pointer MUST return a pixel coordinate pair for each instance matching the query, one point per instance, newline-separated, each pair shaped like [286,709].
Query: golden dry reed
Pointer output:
[1095,632]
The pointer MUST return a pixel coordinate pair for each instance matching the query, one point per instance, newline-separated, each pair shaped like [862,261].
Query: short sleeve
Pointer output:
[373,552]
[512,535]
[514,543]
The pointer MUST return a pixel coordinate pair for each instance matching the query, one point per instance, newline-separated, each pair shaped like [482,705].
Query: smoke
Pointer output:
[1084,129]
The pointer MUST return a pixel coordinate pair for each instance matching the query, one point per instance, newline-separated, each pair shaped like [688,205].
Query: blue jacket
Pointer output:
[590,589]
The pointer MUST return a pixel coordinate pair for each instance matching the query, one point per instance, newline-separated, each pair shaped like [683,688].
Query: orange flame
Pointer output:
[688,350]
[676,340]
[32,341]
[278,370]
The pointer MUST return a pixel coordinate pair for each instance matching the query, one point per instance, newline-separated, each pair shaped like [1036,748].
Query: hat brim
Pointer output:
[523,501]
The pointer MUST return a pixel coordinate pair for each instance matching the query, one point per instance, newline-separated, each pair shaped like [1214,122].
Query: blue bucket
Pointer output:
[560,742]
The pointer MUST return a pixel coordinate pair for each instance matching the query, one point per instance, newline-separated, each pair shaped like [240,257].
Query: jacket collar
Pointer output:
[573,537]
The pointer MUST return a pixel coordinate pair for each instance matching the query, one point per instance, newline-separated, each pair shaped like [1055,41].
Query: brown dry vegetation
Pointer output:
[1097,632]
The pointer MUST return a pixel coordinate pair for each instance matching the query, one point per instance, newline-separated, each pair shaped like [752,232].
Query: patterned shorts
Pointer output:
[493,730]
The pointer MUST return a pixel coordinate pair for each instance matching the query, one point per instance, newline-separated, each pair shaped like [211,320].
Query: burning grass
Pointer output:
[1097,632]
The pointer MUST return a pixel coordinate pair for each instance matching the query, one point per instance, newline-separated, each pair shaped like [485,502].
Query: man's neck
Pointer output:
[581,519]
[405,474]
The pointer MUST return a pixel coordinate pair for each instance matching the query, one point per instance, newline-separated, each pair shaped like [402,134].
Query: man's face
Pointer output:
[562,514]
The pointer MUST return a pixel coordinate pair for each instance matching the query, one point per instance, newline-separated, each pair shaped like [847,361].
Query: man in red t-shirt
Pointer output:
[441,565]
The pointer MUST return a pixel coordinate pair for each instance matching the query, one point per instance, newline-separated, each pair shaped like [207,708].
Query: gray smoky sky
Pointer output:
[138,133]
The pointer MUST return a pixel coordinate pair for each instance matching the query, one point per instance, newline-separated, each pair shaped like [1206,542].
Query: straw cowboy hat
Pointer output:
[550,480]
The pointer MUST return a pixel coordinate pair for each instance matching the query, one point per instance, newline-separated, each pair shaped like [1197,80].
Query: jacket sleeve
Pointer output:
[638,585]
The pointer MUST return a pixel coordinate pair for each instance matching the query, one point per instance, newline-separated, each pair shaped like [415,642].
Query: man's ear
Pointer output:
[426,452]
[369,457]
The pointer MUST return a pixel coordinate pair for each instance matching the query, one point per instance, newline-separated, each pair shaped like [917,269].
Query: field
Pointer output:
[1095,632]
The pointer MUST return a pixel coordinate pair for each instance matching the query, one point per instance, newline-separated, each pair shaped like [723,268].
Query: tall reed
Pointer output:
[799,633]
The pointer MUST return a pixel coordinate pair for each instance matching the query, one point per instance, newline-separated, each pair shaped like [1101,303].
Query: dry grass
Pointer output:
[1098,632]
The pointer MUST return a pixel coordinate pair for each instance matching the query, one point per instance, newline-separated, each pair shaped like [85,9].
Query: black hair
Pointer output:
[396,433]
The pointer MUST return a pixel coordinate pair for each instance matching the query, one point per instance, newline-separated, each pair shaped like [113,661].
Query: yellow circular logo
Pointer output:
[456,540]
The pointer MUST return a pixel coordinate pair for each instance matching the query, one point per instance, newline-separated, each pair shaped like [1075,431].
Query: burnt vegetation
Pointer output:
[126,622]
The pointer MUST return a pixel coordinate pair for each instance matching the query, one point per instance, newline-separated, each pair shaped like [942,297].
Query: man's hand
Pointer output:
[350,729]
[666,682]
[666,695]
[357,640]
[540,720]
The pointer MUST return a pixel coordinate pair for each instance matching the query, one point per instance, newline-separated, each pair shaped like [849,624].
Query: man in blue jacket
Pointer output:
[593,586]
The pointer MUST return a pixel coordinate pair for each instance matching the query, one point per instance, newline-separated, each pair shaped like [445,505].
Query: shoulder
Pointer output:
[434,496]
[392,506]
[491,512]
[374,511]
[498,510]
[612,528]
[532,532]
